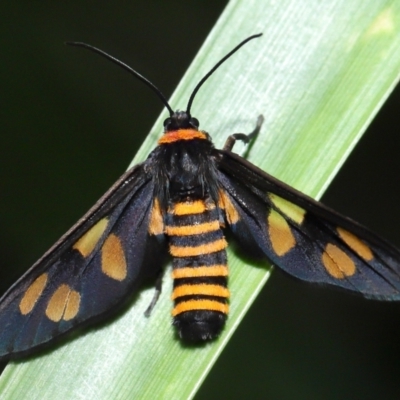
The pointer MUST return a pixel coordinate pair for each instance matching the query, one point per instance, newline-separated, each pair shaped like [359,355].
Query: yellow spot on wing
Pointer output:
[189,208]
[225,203]
[295,213]
[337,262]
[72,306]
[201,289]
[187,230]
[192,305]
[206,248]
[113,262]
[32,294]
[280,234]
[86,244]
[63,304]
[356,244]
[194,272]
[156,226]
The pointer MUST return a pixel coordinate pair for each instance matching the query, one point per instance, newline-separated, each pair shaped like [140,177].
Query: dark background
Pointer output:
[71,124]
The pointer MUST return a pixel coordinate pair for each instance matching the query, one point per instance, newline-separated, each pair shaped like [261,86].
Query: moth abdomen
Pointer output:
[197,245]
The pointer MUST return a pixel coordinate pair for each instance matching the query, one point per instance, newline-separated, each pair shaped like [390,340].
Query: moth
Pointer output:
[179,202]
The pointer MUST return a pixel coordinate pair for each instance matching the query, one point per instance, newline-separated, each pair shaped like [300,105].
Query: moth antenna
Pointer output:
[216,66]
[127,68]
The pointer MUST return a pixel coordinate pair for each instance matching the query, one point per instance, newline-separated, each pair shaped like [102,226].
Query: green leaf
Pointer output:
[319,75]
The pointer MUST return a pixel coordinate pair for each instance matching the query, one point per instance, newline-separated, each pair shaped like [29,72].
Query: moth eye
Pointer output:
[194,122]
[167,122]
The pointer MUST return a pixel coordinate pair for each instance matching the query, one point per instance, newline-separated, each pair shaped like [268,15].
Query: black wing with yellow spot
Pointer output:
[302,236]
[89,271]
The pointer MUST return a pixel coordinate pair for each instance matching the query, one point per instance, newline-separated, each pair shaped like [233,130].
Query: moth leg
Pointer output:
[156,296]
[242,136]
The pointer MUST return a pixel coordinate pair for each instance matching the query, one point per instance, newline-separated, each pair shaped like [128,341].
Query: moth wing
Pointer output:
[92,269]
[302,236]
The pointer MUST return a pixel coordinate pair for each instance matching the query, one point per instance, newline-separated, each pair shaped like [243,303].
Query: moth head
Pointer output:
[180,120]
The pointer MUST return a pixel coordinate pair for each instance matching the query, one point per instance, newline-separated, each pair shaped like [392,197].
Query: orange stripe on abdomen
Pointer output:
[200,271]
[204,248]
[202,289]
[194,305]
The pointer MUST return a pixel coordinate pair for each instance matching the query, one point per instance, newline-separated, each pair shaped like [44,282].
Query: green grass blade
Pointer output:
[319,74]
